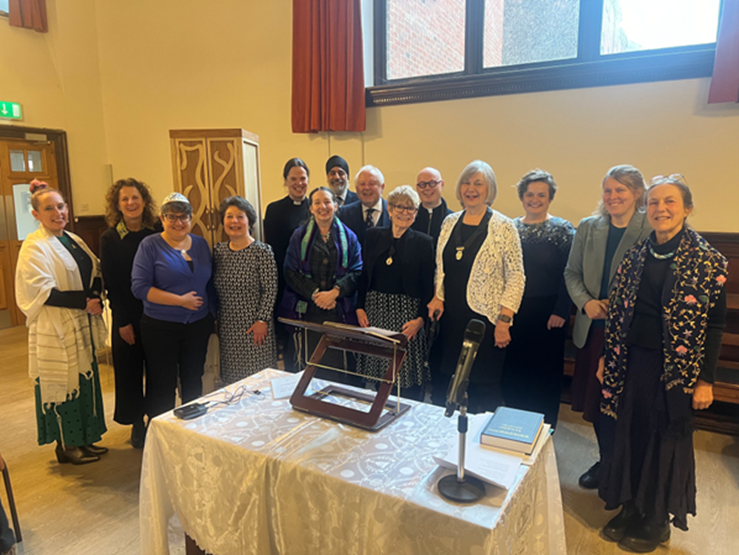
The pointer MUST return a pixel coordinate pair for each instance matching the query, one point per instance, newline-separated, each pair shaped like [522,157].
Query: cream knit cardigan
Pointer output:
[497,278]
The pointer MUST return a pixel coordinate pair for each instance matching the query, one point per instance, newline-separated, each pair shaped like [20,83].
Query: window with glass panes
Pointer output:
[504,46]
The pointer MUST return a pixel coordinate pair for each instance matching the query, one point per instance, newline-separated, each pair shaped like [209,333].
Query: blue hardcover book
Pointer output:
[513,429]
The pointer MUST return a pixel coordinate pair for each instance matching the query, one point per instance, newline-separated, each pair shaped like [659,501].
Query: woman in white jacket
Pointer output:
[58,288]
[479,274]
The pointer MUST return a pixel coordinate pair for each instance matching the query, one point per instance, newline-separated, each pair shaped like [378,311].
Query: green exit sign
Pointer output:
[10,110]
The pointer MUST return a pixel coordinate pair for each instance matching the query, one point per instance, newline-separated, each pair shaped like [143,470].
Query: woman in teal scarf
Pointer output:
[322,268]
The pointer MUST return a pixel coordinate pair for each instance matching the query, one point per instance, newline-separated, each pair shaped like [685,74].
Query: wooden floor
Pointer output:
[93,509]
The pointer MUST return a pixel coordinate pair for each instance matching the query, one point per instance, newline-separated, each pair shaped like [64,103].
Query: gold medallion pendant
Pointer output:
[460,253]
[389,261]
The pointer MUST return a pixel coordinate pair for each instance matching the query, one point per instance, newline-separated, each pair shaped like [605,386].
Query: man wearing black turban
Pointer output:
[337,176]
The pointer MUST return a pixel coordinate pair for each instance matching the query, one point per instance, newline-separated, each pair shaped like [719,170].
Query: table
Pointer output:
[259,477]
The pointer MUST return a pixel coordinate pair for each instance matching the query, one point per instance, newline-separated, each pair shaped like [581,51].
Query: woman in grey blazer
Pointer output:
[600,243]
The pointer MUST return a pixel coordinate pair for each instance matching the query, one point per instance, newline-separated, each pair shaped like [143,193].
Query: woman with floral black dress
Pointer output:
[666,315]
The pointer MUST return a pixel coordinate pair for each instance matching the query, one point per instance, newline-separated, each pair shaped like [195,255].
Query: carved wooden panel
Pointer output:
[210,165]
[191,179]
[222,155]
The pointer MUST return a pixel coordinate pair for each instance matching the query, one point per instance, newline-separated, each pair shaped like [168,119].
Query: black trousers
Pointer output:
[174,350]
[128,364]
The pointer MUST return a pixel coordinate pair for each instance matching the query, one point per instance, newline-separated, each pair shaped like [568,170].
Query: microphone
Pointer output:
[473,335]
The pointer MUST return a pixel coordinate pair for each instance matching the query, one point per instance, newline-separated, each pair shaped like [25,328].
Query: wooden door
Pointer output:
[20,163]
[190,159]
[210,165]
[223,168]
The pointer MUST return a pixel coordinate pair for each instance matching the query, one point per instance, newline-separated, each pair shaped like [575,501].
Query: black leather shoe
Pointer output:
[94,449]
[138,435]
[591,479]
[74,456]
[646,537]
[628,519]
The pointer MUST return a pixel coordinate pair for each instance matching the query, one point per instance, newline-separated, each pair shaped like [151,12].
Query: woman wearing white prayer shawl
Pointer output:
[58,287]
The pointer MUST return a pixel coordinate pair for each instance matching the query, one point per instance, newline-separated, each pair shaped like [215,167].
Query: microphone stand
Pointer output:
[461,488]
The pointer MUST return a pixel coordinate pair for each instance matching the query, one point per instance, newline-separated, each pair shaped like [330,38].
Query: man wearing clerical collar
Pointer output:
[337,177]
[433,210]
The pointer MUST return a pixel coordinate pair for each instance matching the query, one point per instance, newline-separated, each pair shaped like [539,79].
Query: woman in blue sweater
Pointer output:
[172,276]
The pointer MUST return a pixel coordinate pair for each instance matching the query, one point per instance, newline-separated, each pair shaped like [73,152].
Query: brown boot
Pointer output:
[74,455]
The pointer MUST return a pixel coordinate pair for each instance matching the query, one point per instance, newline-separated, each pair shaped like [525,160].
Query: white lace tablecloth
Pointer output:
[258,477]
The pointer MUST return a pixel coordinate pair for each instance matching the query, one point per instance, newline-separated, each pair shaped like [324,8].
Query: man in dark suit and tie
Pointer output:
[371,209]
[337,176]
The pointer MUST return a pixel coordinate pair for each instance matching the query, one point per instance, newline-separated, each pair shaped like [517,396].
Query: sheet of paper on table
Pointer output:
[282,388]
[491,466]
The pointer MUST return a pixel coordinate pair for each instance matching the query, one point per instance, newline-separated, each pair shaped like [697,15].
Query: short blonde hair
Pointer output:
[404,192]
[489,175]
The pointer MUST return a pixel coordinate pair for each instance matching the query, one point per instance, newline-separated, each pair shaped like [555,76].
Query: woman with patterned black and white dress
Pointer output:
[245,277]
[479,274]
[396,284]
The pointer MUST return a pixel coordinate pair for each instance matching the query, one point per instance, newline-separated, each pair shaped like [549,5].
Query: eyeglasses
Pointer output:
[424,184]
[172,218]
[672,178]
[400,208]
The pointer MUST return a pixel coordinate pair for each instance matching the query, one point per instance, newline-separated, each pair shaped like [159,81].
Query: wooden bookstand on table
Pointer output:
[367,341]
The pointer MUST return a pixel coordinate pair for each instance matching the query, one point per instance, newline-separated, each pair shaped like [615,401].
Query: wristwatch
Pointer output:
[505,318]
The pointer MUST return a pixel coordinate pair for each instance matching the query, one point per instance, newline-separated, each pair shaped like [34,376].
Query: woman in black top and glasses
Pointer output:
[396,284]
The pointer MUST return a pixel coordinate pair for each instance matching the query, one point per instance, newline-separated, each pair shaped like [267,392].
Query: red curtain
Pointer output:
[328,67]
[30,14]
[725,80]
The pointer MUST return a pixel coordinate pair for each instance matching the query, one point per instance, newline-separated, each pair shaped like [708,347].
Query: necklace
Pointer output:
[326,236]
[479,230]
[659,256]
[662,256]
[389,260]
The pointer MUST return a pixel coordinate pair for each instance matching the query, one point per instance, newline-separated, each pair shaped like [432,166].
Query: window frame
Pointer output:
[3,13]
[589,69]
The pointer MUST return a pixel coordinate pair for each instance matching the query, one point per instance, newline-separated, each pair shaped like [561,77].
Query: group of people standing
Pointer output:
[648,292]
[163,286]
[649,302]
